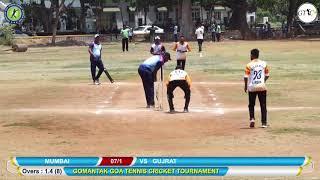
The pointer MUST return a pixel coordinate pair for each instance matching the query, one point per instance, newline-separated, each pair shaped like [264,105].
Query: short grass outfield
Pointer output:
[49,107]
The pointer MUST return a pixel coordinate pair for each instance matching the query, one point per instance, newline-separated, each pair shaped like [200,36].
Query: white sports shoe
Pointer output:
[264,126]
[97,82]
[252,123]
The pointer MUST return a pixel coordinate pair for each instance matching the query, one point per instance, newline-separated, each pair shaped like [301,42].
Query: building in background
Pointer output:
[2,7]
[108,16]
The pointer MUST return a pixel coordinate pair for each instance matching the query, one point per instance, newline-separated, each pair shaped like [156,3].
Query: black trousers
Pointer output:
[262,96]
[125,44]
[148,83]
[218,37]
[200,41]
[213,36]
[98,63]
[186,89]
[181,63]
[175,36]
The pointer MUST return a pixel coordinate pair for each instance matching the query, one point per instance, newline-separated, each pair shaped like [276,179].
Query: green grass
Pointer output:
[225,61]
[295,66]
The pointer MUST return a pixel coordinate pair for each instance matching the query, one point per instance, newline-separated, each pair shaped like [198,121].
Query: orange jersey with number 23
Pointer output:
[256,71]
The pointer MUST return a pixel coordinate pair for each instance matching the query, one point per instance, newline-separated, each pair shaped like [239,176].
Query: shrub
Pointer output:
[7,35]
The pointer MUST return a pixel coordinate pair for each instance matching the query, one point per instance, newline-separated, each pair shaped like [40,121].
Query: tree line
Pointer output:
[237,21]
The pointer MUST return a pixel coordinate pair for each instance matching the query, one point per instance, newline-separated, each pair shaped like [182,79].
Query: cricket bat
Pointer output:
[158,92]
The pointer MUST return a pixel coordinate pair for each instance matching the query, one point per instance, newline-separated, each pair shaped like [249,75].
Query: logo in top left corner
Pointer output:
[14,14]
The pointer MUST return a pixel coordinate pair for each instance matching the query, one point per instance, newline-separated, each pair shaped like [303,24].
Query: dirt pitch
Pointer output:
[49,108]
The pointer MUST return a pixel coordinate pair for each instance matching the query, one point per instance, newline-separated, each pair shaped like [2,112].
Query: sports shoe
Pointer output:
[252,123]
[172,111]
[264,126]
[97,82]
[150,106]
[185,110]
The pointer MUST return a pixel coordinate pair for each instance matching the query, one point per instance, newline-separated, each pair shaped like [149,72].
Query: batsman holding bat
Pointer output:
[94,50]
[157,48]
[148,71]
[179,78]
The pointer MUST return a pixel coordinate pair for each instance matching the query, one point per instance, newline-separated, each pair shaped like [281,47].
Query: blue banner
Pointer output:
[145,171]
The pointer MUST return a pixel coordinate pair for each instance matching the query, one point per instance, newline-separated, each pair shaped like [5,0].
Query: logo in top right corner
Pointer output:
[307,13]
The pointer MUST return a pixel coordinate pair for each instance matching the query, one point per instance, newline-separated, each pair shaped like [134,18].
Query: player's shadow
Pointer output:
[176,112]
[249,128]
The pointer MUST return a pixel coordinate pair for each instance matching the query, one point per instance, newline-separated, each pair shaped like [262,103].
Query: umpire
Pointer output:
[148,72]
[179,78]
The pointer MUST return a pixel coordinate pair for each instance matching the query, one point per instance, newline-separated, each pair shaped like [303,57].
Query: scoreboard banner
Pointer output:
[158,166]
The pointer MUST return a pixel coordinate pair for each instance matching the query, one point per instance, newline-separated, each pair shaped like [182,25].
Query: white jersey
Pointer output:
[96,49]
[181,50]
[199,32]
[256,71]
[175,30]
[157,48]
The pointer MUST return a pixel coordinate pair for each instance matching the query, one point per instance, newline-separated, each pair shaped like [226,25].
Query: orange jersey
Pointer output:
[256,71]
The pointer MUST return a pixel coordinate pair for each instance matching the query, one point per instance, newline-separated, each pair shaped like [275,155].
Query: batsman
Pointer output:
[179,78]
[148,72]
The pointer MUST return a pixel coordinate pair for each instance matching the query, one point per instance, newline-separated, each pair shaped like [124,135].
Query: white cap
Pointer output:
[97,35]
[157,37]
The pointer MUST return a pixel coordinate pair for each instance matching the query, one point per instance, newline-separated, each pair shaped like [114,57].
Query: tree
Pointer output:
[58,10]
[82,15]
[186,18]
[238,20]
[287,8]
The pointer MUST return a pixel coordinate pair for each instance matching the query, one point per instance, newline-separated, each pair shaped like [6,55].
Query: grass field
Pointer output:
[49,107]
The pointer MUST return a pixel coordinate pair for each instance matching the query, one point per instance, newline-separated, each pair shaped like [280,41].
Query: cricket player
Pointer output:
[157,48]
[200,32]
[175,33]
[94,50]
[256,75]
[125,38]
[181,48]
[179,78]
[148,71]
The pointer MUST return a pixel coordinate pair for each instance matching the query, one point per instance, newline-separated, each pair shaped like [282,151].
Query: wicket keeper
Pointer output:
[148,72]
[179,78]
[256,75]
[94,50]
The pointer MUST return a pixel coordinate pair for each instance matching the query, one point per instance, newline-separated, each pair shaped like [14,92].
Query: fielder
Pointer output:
[181,48]
[179,78]
[200,32]
[256,75]
[94,50]
[148,71]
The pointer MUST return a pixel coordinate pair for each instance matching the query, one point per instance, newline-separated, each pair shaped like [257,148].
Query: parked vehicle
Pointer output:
[143,30]
[18,33]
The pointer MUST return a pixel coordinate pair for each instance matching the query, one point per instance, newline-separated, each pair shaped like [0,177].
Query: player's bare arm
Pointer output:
[245,79]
